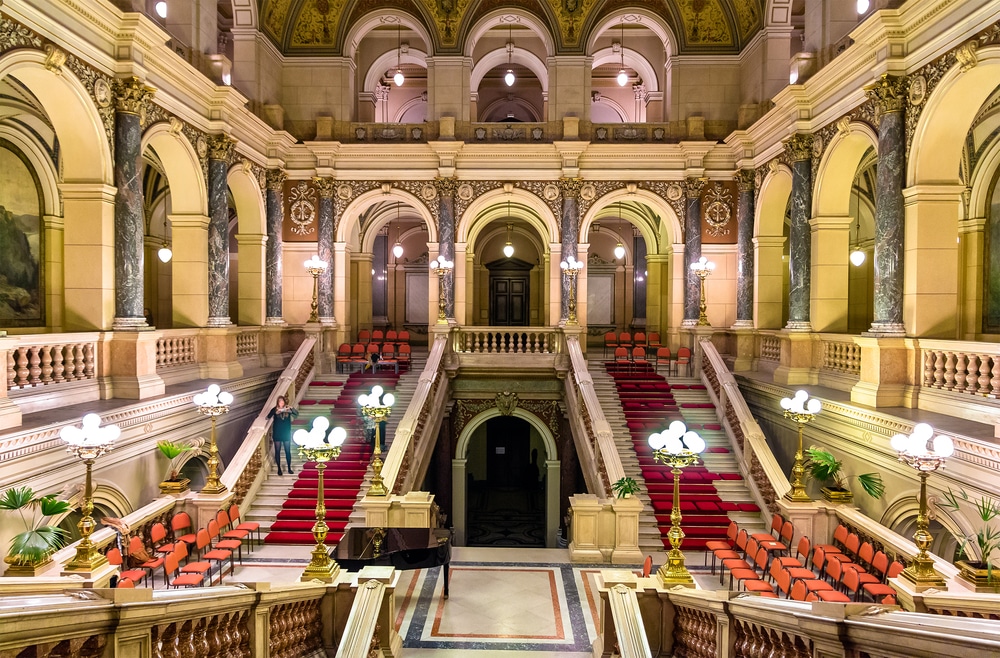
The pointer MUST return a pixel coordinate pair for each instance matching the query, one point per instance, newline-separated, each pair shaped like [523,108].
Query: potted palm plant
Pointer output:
[625,487]
[987,539]
[173,484]
[32,549]
[823,467]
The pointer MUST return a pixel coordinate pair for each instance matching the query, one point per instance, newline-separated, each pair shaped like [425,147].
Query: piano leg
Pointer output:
[445,580]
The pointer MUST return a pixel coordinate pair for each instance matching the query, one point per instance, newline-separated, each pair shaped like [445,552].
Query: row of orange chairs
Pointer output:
[377,336]
[389,356]
[638,357]
[823,572]
[627,340]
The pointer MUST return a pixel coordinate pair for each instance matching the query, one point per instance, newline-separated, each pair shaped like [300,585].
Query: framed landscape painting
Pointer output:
[22,301]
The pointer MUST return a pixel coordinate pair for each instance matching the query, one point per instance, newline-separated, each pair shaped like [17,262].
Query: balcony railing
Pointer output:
[508,340]
[45,359]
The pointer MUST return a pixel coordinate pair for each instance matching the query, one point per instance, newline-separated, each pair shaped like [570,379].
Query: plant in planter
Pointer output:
[625,487]
[987,540]
[33,547]
[823,467]
[173,483]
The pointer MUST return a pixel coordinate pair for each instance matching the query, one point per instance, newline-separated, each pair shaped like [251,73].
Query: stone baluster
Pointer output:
[57,364]
[201,638]
[995,379]
[799,149]
[949,372]
[272,258]
[130,96]
[34,368]
[744,248]
[985,364]
[889,94]
[325,224]
[959,373]
[972,375]
[220,152]
[88,361]
[928,368]
[692,249]
[938,369]
[22,366]
[46,364]
[446,188]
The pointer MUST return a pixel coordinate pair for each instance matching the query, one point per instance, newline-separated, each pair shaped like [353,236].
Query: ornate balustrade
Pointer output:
[770,347]
[46,359]
[372,132]
[633,133]
[186,354]
[364,634]
[961,367]
[523,133]
[248,342]
[841,356]
[508,340]
[177,347]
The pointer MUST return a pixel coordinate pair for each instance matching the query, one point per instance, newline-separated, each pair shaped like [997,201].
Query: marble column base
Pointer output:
[742,324]
[798,326]
[688,322]
[220,322]
[886,329]
[328,321]
[130,324]
[275,322]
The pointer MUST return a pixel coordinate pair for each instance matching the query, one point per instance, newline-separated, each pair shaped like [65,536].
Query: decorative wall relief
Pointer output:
[300,211]
[717,211]
[21,241]
[705,22]
[316,23]
[571,14]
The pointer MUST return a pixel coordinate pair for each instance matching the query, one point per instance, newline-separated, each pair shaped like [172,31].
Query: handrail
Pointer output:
[242,474]
[757,462]
[601,444]
[361,634]
[401,454]
[630,632]
[892,543]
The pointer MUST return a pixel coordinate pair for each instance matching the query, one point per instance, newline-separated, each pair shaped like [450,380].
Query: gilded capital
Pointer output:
[324,187]
[275,179]
[446,186]
[745,180]
[799,147]
[888,93]
[220,147]
[693,187]
[570,187]
[131,95]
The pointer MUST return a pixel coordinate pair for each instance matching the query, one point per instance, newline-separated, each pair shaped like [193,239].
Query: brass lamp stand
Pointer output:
[88,443]
[441,266]
[376,407]
[314,445]
[703,268]
[800,409]
[678,448]
[213,403]
[572,268]
[315,266]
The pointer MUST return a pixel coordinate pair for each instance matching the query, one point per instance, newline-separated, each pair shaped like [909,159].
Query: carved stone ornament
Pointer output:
[465,192]
[693,187]
[745,180]
[275,179]
[324,187]
[220,147]
[844,125]
[344,191]
[54,59]
[445,186]
[550,192]
[718,211]
[588,192]
[966,55]
[201,146]
[774,165]
[675,191]
[428,192]
[918,90]
[131,95]
[506,403]
[262,179]
[102,92]
[303,209]
[817,146]
[799,147]
[570,187]
[889,93]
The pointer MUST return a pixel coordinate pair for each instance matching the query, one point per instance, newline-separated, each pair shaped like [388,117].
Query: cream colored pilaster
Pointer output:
[89,256]
[190,270]
[250,278]
[972,247]
[581,290]
[885,369]
[132,364]
[930,270]
[796,366]
[53,272]
[362,282]
[678,276]
[769,267]
[448,79]
[342,306]
[831,238]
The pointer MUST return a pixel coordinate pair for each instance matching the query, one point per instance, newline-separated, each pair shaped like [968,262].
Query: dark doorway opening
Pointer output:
[508,507]
[509,292]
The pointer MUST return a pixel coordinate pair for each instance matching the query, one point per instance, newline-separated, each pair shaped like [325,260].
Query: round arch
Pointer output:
[532,111]
[633,60]
[775,190]
[838,169]
[376,19]
[538,214]
[503,17]
[900,516]
[40,163]
[669,218]
[182,168]
[387,61]
[248,199]
[498,57]
[348,229]
[552,465]
[982,181]
[633,16]
[79,126]
[386,217]
[487,235]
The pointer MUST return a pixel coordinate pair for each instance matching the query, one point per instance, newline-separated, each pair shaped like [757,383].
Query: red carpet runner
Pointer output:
[342,478]
[649,406]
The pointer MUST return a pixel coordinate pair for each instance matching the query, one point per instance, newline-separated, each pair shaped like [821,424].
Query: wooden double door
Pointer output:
[510,293]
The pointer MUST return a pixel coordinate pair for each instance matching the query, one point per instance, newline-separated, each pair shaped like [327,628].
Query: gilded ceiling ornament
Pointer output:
[844,125]
[889,93]
[506,403]
[303,208]
[570,15]
[718,211]
[799,147]
[704,22]
[220,147]
[316,23]
[747,16]
[448,16]
[446,186]
[274,14]
[570,187]
[324,187]
[54,59]
[14,35]
[131,95]
[693,187]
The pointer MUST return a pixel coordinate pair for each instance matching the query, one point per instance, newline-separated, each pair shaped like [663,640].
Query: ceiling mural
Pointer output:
[318,26]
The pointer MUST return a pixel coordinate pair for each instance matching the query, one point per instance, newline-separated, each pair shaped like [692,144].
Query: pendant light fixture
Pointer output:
[508,77]
[165,253]
[863,6]
[508,249]
[622,75]
[398,77]
[619,248]
[161,9]
[857,254]
[397,249]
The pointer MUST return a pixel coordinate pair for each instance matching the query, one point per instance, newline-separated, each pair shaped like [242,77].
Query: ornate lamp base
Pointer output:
[87,559]
[922,575]
[377,487]
[673,572]
[321,567]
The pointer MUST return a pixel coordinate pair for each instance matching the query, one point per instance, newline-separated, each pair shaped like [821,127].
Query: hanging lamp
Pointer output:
[619,248]
[165,253]
[398,77]
[508,77]
[857,254]
[622,75]
[508,249]
[397,249]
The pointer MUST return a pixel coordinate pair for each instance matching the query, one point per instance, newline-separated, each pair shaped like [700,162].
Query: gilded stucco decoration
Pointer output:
[303,209]
[705,23]
[274,16]
[747,17]
[718,210]
[316,24]
[447,16]
[571,15]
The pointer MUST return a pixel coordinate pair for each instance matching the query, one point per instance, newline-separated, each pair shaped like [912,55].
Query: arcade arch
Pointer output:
[770,241]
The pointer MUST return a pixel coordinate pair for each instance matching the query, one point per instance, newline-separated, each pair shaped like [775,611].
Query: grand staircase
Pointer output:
[713,493]
[285,506]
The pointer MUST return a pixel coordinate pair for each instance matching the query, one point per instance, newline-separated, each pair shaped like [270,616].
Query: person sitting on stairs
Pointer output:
[281,431]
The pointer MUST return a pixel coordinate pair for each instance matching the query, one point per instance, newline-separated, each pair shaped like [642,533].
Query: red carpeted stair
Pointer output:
[342,478]
[649,406]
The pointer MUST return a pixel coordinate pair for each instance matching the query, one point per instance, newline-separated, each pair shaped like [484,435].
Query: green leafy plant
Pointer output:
[823,467]
[625,486]
[172,451]
[33,546]
[987,538]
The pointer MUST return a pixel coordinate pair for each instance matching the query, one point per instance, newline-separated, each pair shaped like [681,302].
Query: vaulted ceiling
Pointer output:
[311,27]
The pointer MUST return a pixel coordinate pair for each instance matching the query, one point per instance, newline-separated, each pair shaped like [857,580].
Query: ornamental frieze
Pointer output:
[348,190]
[546,410]
[822,138]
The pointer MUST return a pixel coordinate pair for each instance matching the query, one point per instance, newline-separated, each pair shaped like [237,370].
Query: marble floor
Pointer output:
[503,601]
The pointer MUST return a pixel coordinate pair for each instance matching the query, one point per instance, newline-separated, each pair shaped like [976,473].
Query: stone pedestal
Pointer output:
[796,359]
[585,511]
[816,520]
[206,506]
[220,350]
[10,413]
[626,550]
[376,511]
[885,372]
[746,341]
[132,364]
[271,348]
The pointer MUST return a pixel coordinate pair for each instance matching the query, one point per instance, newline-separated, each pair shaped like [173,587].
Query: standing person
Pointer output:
[281,431]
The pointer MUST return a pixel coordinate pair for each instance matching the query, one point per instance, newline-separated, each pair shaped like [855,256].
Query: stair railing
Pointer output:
[408,454]
[757,463]
[595,442]
[364,635]
[244,473]
[626,631]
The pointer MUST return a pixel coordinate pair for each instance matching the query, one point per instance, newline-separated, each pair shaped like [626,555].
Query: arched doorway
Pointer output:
[490,473]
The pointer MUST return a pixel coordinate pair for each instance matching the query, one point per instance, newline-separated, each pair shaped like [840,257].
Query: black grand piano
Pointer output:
[402,548]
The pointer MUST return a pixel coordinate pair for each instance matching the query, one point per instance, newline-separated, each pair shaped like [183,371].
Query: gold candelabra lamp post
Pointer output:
[703,268]
[441,266]
[213,403]
[678,448]
[320,446]
[913,451]
[801,409]
[376,407]
[572,267]
[315,266]
[88,443]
